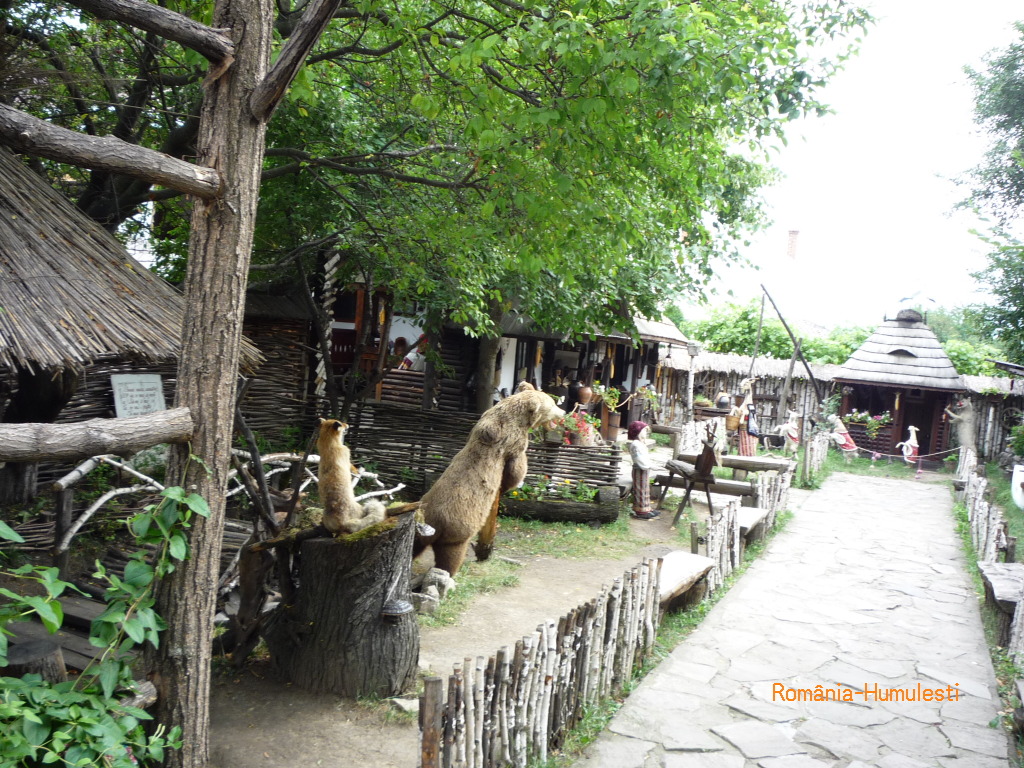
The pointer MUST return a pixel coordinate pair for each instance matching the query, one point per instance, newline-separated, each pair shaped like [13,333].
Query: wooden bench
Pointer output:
[681,580]
[1004,589]
[751,522]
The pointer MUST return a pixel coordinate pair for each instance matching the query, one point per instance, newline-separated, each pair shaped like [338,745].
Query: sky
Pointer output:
[870,189]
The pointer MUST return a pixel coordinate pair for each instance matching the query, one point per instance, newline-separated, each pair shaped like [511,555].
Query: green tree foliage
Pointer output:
[1004,275]
[998,184]
[578,162]
[733,329]
[998,188]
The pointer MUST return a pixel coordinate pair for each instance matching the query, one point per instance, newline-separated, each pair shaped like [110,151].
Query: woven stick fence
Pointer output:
[409,445]
[520,703]
[988,526]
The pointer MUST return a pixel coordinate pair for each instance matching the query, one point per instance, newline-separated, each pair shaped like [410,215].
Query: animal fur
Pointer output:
[464,500]
[342,513]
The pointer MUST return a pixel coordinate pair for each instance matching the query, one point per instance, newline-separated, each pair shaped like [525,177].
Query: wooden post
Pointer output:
[694,539]
[64,499]
[43,657]
[431,709]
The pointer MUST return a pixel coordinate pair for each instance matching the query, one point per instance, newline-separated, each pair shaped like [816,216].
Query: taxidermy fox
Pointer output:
[342,513]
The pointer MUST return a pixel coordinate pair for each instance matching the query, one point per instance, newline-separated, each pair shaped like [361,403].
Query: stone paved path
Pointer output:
[864,592]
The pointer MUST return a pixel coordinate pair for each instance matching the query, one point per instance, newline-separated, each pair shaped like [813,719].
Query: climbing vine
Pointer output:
[83,721]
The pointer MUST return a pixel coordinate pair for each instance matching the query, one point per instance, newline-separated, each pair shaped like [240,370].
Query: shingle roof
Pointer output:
[902,353]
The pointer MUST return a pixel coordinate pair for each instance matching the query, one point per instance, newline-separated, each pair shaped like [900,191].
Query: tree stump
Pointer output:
[351,630]
[44,657]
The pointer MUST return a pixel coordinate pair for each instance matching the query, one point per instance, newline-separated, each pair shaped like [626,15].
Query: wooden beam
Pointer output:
[24,133]
[36,442]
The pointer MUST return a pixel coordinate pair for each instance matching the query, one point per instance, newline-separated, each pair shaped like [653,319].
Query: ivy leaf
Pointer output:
[197,504]
[6,532]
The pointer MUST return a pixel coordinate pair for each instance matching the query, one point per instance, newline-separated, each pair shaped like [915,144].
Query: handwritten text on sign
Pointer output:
[136,394]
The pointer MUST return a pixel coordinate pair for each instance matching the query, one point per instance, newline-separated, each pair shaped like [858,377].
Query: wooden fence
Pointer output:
[521,702]
[817,451]
[988,527]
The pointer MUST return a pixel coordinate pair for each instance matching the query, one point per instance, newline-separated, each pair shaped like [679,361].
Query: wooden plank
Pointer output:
[1006,583]
[680,571]
[750,517]
[749,463]
[723,486]
[78,653]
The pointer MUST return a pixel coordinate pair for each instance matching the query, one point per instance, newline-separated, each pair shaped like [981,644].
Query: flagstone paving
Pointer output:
[865,595]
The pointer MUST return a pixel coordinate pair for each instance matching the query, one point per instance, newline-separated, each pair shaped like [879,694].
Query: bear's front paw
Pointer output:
[483,551]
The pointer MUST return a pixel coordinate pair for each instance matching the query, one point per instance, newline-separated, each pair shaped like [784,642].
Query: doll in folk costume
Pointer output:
[909,446]
[641,456]
[748,432]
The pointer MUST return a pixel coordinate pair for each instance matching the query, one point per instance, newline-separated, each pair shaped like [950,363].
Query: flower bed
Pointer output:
[603,508]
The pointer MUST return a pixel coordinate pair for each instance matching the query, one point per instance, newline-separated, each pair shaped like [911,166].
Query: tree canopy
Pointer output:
[733,329]
[580,162]
[998,188]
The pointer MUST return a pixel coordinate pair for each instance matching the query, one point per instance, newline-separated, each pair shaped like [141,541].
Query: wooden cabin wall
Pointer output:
[995,417]
[459,354]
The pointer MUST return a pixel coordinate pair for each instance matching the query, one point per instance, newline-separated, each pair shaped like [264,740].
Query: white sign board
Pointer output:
[136,394]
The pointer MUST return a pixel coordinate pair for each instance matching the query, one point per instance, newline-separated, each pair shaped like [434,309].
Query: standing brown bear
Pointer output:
[464,500]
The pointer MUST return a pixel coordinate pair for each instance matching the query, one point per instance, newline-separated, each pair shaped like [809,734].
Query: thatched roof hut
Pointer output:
[905,353]
[70,292]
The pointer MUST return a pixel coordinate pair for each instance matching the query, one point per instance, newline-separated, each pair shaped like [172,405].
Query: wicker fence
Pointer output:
[410,445]
[520,703]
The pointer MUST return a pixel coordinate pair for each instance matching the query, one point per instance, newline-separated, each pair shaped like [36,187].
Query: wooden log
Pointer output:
[35,442]
[340,636]
[41,657]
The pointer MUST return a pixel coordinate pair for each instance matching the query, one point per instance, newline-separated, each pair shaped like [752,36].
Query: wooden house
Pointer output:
[901,371]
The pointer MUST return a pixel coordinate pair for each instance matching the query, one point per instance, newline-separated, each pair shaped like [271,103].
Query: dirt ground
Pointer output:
[259,722]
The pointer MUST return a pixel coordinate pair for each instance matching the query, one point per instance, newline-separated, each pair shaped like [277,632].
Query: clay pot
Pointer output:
[585,394]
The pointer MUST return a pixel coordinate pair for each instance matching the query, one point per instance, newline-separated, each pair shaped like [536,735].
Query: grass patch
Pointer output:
[1002,497]
[529,538]
[475,578]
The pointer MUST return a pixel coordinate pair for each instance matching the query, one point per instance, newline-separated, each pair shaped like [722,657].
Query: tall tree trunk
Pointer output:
[486,356]
[485,361]
[231,140]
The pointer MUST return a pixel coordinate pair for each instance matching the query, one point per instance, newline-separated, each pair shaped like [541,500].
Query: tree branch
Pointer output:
[36,442]
[271,89]
[28,134]
[211,43]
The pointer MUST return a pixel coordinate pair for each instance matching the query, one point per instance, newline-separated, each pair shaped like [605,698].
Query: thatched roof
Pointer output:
[763,367]
[902,353]
[993,385]
[70,294]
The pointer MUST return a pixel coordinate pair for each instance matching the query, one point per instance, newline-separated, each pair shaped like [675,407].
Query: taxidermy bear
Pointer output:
[464,500]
